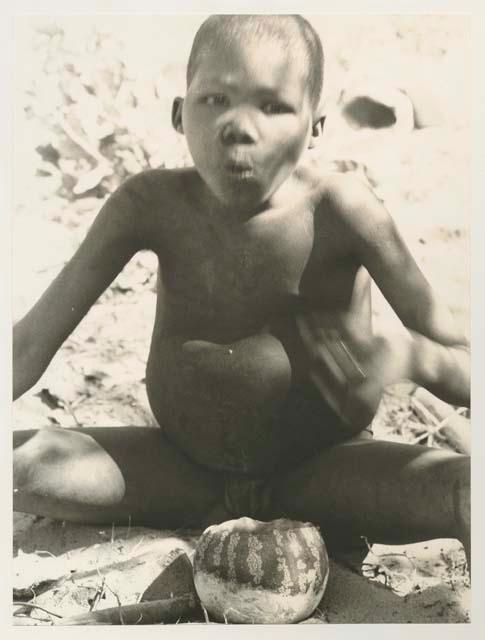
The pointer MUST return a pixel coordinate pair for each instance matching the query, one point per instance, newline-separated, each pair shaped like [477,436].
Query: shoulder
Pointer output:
[347,195]
[144,205]
[349,203]
[341,191]
[153,187]
[152,196]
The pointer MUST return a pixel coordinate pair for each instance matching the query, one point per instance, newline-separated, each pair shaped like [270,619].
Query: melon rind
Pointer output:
[237,604]
[248,571]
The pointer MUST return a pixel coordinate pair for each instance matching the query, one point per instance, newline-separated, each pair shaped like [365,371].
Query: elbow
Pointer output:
[443,370]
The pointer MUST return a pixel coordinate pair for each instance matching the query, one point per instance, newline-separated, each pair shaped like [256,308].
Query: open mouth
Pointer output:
[240,169]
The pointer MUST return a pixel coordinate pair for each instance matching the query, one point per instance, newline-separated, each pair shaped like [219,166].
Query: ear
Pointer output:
[177,105]
[317,130]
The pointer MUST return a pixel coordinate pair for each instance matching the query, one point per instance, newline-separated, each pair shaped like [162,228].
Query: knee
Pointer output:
[43,447]
[66,465]
[32,449]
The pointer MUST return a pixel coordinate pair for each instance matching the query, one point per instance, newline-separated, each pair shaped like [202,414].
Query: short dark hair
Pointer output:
[294,31]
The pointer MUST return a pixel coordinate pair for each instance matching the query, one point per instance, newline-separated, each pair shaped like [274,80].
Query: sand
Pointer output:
[65,565]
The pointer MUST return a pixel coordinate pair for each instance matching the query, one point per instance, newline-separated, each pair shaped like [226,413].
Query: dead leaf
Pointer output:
[90,180]
[50,399]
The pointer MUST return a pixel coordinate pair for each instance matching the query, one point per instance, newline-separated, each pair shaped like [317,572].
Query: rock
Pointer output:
[377,106]
[101,568]
[176,579]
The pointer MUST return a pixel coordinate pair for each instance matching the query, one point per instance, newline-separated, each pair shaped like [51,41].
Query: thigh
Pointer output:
[99,475]
[389,492]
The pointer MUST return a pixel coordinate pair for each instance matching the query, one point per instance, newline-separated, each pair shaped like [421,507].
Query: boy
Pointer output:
[263,371]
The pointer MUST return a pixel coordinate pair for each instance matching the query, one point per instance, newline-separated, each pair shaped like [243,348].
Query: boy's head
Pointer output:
[293,32]
[252,103]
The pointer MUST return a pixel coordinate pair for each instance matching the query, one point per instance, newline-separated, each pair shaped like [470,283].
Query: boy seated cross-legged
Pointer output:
[264,373]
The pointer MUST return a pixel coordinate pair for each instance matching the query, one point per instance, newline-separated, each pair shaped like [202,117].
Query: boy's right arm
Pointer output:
[115,236]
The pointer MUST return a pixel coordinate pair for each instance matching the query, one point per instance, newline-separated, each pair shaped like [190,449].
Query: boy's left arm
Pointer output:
[436,353]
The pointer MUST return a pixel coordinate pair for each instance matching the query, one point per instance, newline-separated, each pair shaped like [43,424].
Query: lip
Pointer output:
[240,168]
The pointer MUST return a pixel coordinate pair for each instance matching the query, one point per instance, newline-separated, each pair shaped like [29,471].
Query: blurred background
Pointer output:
[93,97]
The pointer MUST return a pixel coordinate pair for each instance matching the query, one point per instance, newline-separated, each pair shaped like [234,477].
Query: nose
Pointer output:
[238,130]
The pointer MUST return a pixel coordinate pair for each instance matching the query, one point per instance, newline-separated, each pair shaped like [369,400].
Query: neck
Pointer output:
[233,212]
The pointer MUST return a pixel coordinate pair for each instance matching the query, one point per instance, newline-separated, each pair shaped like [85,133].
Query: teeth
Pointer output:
[238,166]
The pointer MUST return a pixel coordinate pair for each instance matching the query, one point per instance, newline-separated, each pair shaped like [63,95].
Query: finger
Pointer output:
[330,333]
[306,332]
[324,356]
[312,331]
[329,348]
[319,352]
[348,362]
[330,398]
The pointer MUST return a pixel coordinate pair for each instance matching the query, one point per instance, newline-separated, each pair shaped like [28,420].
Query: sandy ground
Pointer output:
[62,567]
[97,378]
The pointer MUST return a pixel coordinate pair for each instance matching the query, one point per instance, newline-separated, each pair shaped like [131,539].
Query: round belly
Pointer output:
[219,403]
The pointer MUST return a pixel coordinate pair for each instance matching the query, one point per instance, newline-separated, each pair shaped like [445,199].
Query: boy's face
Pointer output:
[247,118]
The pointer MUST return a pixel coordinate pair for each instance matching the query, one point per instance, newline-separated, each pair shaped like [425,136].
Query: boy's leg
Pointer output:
[392,493]
[103,475]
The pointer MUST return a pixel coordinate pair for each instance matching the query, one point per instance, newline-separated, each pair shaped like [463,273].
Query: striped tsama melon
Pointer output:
[248,571]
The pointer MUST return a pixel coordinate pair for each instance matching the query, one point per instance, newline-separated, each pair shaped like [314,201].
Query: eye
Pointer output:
[276,108]
[215,100]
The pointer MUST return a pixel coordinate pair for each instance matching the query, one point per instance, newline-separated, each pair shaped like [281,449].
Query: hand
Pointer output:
[351,370]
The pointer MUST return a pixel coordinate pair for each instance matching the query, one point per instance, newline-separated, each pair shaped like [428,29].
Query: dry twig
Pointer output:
[437,426]
[31,605]
[388,574]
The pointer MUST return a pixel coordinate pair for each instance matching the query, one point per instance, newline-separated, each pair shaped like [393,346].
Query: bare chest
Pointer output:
[236,272]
